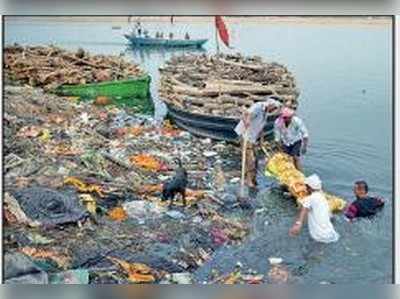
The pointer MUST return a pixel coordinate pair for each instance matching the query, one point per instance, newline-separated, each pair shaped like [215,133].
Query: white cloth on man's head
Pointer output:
[319,218]
[258,118]
[314,182]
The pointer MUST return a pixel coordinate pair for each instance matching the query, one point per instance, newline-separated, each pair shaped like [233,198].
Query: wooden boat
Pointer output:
[210,126]
[161,42]
[138,88]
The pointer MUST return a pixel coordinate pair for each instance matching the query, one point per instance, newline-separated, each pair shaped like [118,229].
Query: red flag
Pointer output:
[222,30]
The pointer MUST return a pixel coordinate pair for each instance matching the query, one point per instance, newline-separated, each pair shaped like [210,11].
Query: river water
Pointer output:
[344,71]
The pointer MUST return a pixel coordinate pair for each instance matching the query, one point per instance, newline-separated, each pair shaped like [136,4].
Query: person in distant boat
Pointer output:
[364,205]
[146,34]
[291,134]
[316,209]
[139,28]
[171,35]
[157,34]
[161,34]
[187,36]
[251,127]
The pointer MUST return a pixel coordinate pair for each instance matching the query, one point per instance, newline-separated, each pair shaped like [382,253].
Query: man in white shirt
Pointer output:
[291,134]
[316,209]
[251,127]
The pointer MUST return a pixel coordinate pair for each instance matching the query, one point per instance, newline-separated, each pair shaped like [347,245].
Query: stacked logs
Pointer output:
[50,67]
[222,85]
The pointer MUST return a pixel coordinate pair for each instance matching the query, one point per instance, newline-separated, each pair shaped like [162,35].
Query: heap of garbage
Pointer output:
[223,84]
[83,194]
[281,166]
[50,66]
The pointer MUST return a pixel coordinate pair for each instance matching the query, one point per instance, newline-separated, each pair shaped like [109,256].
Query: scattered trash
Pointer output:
[61,259]
[143,209]
[83,187]
[118,214]
[80,276]
[20,269]
[181,278]
[176,215]
[210,154]
[89,202]
[38,239]
[137,273]
[14,214]
[235,180]
[148,162]
[51,207]
[74,159]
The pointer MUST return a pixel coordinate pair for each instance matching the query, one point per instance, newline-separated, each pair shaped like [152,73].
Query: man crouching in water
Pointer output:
[251,127]
[315,207]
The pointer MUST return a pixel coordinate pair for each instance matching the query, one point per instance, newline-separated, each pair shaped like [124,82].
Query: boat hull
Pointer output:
[159,42]
[131,88]
[209,126]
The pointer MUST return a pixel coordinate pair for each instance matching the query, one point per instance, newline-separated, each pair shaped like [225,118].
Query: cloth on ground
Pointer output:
[19,268]
[50,207]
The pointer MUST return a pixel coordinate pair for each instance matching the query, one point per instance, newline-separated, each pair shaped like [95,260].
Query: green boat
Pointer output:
[138,88]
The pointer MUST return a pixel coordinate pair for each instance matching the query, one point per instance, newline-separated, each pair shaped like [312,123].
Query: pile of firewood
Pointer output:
[222,85]
[50,67]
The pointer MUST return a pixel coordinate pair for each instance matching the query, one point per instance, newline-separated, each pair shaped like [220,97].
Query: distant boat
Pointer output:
[161,42]
[116,27]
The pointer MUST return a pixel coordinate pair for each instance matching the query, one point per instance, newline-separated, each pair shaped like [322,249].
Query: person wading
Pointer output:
[251,127]
[364,205]
[316,209]
[292,135]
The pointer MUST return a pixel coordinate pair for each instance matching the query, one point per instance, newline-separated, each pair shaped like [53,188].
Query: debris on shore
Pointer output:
[50,66]
[95,175]
[223,84]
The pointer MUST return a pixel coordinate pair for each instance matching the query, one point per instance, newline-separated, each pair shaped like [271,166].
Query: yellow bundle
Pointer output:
[281,166]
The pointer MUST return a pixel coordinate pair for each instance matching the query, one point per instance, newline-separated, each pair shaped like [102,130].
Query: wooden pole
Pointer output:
[244,148]
[216,37]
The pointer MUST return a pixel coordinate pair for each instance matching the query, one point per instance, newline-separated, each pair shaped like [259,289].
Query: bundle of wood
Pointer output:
[222,85]
[50,67]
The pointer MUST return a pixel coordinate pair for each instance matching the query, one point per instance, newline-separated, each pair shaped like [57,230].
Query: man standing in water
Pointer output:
[292,135]
[251,127]
[364,205]
[315,207]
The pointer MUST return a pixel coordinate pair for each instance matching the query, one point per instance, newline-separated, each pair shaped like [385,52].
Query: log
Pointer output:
[242,65]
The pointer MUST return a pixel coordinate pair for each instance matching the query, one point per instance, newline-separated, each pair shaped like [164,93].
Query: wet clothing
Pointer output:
[293,150]
[364,207]
[319,222]
[290,135]
[258,118]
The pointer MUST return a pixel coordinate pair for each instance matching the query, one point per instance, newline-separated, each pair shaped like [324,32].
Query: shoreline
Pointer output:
[123,20]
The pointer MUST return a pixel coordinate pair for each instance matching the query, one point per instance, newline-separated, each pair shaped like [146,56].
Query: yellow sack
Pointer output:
[281,166]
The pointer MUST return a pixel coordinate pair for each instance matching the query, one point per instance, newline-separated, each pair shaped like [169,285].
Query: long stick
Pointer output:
[243,164]
[216,38]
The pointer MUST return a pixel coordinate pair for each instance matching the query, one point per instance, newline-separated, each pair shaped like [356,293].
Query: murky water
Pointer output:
[344,72]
